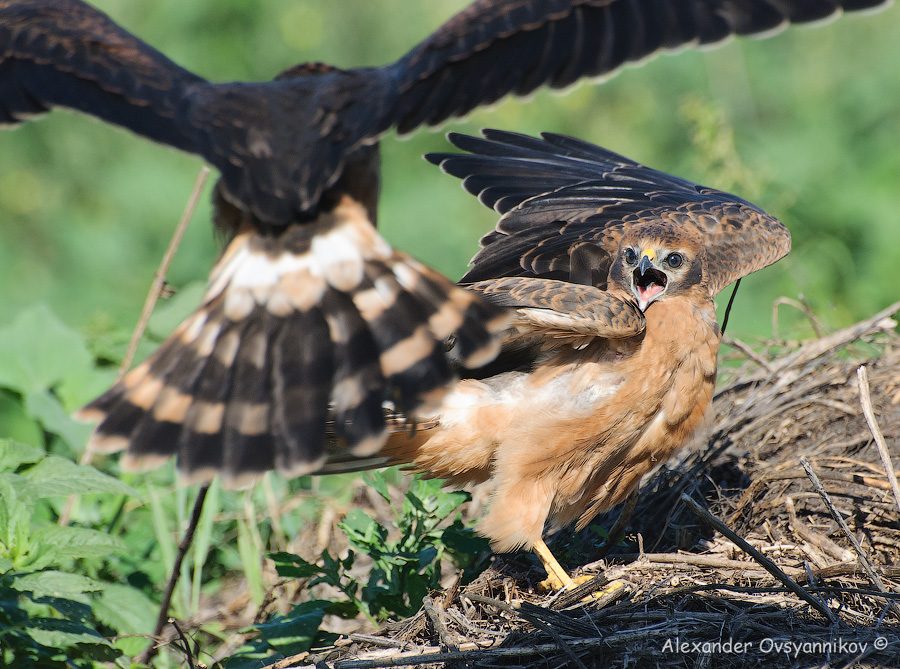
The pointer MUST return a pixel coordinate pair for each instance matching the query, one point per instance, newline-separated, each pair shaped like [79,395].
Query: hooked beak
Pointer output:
[648,282]
[644,265]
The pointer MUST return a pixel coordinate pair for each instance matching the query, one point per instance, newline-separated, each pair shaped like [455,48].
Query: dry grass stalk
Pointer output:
[866,400]
[156,288]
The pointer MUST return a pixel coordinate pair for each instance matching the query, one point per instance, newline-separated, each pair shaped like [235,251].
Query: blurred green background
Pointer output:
[805,124]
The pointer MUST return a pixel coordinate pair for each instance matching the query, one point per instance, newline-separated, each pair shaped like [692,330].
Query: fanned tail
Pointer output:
[324,323]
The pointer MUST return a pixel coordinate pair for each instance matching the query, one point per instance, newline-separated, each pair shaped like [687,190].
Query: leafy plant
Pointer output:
[66,592]
[404,569]
[50,616]
[291,634]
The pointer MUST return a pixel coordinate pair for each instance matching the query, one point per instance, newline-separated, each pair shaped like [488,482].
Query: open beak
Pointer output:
[648,281]
[644,265]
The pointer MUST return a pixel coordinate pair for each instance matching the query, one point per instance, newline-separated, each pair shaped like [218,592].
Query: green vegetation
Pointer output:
[50,611]
[804,124]
[404,570]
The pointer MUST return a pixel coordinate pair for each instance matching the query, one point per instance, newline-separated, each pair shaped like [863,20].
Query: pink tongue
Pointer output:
[650,291]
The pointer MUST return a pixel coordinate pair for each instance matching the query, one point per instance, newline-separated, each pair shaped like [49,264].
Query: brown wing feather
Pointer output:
[558,308]
[738,239]
[66,53]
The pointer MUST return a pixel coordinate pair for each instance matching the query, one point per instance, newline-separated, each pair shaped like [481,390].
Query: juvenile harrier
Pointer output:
[610,364]
[309,310]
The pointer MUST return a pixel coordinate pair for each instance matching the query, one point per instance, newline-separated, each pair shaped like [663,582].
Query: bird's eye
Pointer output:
[674,260]
[630,256]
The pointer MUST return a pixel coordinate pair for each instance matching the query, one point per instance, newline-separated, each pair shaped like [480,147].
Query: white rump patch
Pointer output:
[239,303]
[254,272]
[340,258]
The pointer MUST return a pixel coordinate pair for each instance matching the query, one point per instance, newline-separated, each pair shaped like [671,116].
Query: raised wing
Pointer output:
[281,144]
[557,194]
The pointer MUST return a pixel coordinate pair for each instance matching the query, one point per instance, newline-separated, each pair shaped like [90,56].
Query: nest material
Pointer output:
[816,582]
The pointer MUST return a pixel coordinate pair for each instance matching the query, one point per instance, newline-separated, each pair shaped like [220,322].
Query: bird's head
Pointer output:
[657,260]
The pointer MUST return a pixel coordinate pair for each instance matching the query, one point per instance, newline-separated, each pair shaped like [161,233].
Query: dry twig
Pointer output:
[159,281]
[866,401]
[766,563]
[863,558]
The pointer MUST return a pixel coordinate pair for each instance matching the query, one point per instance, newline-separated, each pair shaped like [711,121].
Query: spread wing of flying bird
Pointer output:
[309,310]
[65,53]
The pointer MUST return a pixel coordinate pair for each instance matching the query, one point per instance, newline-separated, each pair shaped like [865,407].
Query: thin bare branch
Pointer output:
[863,558]
[159,277]
[869,412]
[159,281]
[765,562]
[188,538]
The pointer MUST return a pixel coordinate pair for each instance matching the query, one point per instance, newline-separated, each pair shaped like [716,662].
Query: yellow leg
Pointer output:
[556,576]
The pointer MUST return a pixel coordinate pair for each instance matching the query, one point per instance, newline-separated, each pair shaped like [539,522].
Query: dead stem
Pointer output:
[863,558]
[765,562]
[866,401]
[159,281]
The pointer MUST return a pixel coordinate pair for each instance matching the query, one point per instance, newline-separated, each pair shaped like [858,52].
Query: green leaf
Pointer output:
[446,502]
[331,573]
[289,565]
[126,610]
[77,542]
[431,500]
[424,489]
[81,386]
[69,609]
[376,480]
[343,609]
[37,351]
[15,516]
[203,538]
[417,587]
[79,640]
[251,562]
[162,529]
[56,584]
[426,556]
[14,454]
[255,654]
[296,632]
[463,540]
[43,406]
[414,501]
[16,424]
[59,477]
[363,532]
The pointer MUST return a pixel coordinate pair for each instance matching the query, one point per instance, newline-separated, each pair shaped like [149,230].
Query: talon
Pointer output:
[557,577]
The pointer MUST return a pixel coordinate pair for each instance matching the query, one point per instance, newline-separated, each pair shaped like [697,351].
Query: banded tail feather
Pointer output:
[302,337]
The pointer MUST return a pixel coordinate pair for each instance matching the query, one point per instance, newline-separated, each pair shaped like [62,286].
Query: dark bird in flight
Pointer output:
[312,319]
